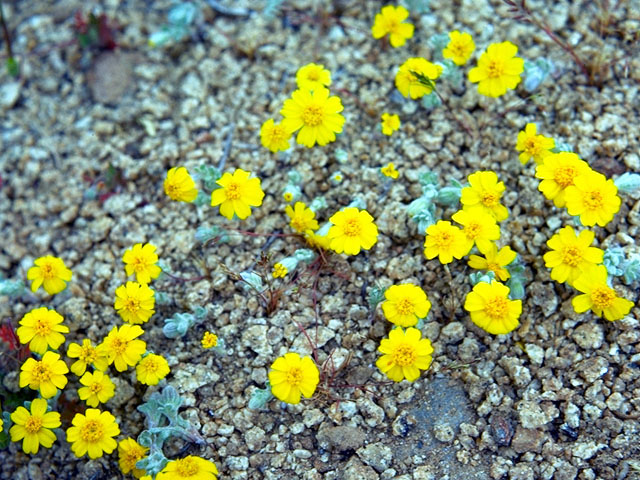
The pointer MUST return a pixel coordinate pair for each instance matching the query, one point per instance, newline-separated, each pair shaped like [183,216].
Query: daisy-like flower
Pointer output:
[46,375]
[352,230]
[405,353]
[291,376]
[279,271]
[189,468]
[51,273]
[93,433]
[134,302]
[315,114]
[34,427]
[389,21]
[459,48]
[313,76]
[274,136]
[98,388]
[179,186]
[598,296]
[446,242]
[129,452]
[498,70]
[87,354]
[532,145]
[494,260]
[317,241]
[571,254]
[237,194]
[390,123]
[209,340]
[122,346]
[557,172]
[405,304]
[478,226]
[151,369]
[141,260]
[389,170]
[491,309]
[42,328]
[408,80]
[593,197]
[485,191]
[302,217]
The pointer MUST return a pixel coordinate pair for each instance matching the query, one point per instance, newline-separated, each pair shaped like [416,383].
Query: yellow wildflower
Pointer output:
[478,226]
[459,48]
[151,369]
[405,353]
[405,304]
[302,217]
[498,70]
[122,346]
[313,76]
[494,260]
[179,186]
[352,230]
[571,254]
[275,137]
[407,79]
[34,427]
[237,194]
[317,241]
[46,375]
[42,328]
[533,146]
[279,271]
[141,260]
[51,273]
[98,388]
[129,452]
[557,172]
[390,171]
[485,191]
[189,468]
[593,197]
[491,309]
[288,196]
[291,376]
[390,123]
[135,302]
[389,21]
[446,242]
[87,354]
[598,296]
[93,433]
[209,340]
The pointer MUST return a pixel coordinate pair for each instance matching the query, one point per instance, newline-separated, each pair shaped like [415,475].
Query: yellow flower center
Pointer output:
[132,304]
[404,306]
[119,346]
[42,327]
[458,49]
[443,240]
[150,365]
[603,296]
[572,256]
[288,196]
[593,200]
[88,354]
[278,134]
[352,227]
[139,264]
[299,224]
[472,230]
[490,199]
[33,424]
[564,176]
[497,307]
[233,191]
[173,189]
[48,271]
[294,376]
[312,115]
[92,431]
[42,372]
[404,355]
[494,267]
[392,25]
[186,467]
[495,68]
[96,388]
[532,146]
[313,75]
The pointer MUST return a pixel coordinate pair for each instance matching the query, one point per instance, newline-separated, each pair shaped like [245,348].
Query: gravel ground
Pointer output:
[557,398]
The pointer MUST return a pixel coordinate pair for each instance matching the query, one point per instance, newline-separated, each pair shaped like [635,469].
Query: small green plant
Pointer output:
[422,210]
[178,325]
[179,21]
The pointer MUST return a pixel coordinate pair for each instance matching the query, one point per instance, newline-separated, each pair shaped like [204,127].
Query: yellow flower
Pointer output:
[274,137]
[42,328]
[478,226]
[151,369]
[122,346]
[209,340]
[179,186]
[485,191]
[141,260]
[302,217]
[313,76]
[51,273]
[390,123]
[315,114]
[389,21]
[491,309]
[237,195]
[279,271]
[189,468]
[405,354]
[459,48]
[571,254]
[390,171]
[291,376]
[288,196]
[34,428]
[46,375]
[93,433]
[445,241]
[405,304]
[594,198]
[494,260]
[98,388]
[533,146]
[498,70]
[557,172]
[351,231]
[129,452]
[87,354]
[134,302]
[407,79]
[317,241]
[598,296]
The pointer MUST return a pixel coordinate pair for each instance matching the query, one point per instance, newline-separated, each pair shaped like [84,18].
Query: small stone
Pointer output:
[254,438]
[521,471]
[423,473]
[454,332]
[535,353]
[237,463]
[592,368]
[372,413]
[527,440]
[9,93]
[341,437]
[443,432]
[190,377]
[586,450]
[589,335]
[110,77]
[377,455]
[531,415]
[356,470]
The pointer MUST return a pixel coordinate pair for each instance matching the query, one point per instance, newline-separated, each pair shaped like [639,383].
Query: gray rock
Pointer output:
[452,333]
[531,415]
[341,438]
[443,432]
[9,93]
[527,440]
[377,455]
[589,335]
[592,368]
[110,77]
[356,470]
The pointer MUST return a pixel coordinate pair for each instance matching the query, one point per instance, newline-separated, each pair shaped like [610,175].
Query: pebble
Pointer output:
[9,93]
[377,455]
[588,335]
[531,414]
[453,332]
[341,437]
[527,440]
[592,368]
[443,432]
